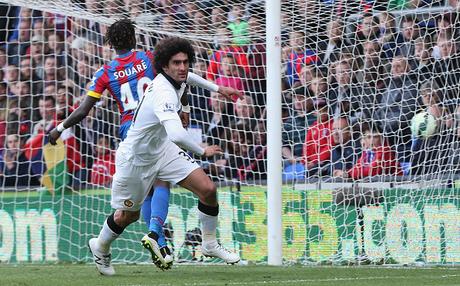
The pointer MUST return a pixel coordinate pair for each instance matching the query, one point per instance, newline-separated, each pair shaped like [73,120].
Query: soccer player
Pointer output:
[126,78]
[149,152]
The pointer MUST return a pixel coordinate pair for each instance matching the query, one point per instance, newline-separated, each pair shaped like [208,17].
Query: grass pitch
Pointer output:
[137,275]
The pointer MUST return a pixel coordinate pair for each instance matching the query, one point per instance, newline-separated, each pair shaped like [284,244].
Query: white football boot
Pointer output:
[103,260]
[217,250]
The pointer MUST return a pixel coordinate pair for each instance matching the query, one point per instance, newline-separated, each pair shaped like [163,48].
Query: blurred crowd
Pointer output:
[354,74]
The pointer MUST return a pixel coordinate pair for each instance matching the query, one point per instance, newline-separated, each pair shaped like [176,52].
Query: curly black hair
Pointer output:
[121,35]
[167,48]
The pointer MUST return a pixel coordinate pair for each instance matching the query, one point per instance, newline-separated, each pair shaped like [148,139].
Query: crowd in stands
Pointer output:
[354,75]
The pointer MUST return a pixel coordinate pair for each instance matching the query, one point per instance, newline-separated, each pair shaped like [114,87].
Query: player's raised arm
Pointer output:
[229,92]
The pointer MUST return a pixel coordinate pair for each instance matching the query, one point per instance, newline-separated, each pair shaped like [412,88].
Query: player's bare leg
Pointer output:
[208,209]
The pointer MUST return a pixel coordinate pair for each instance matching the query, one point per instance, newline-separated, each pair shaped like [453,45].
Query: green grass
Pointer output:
[136,275]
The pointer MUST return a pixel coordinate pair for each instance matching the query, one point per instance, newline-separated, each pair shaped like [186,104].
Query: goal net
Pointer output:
[369,117]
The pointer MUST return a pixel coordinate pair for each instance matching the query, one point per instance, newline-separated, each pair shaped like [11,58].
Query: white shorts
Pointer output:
[131,184]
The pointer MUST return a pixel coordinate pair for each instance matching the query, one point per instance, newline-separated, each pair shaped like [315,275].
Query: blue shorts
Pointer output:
[123,131]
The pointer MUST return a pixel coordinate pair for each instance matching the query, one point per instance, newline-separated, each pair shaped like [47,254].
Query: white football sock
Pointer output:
[208,228]
[106,237]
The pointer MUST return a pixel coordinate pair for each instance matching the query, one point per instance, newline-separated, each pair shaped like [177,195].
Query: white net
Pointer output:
[370,134]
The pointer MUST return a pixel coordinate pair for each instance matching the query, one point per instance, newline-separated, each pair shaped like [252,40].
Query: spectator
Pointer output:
[447,68]
[216,132]
[219,16]
[39,29]
[373,59]
[296,56]
[423,62]
[225,48]
[21,90]
[410,31]
[52,73]
[26,66]
[430,155]
[257,57]
[168,23]
[371,54]
[409,4]
[77,48]
[34,145]
[19,47]
[14,166]
[445,25]
[376,159]
[199,98]
[84,70]
[186,17]
[305,77]
[37,54]
[3,59]
[201,22]
[104,165]
[107,54]
[93,6]
[245,115]
[229,73]
[3,122]
[335,42]
[50,89]
[398,105]
[11,74]
[346,150]
[236,158]
[56,47]
[18,119]
[239,26]
[346,94]
[370,29]
[453,161]
[295,126]
[455,4]
[255,169]
[64,102]
[373,86]
[318,87]
[318,141]
[390,38]
[47,109]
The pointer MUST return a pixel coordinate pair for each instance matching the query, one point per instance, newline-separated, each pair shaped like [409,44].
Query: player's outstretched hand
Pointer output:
[212,150]
[54,136]
[229,92]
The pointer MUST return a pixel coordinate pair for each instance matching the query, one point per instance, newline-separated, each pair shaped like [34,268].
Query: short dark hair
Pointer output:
[49,98]
[167,48]
[408,18]
[121,35]
[375,18]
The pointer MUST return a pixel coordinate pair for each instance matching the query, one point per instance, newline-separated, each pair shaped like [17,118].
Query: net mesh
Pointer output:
[370,136]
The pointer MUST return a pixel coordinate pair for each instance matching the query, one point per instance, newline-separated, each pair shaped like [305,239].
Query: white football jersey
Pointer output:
[146,138]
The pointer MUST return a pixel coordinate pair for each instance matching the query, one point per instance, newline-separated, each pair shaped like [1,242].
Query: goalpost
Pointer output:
[274,183]
[343,151]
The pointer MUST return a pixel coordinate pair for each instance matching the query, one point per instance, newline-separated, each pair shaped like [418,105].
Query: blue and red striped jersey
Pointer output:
[126,78]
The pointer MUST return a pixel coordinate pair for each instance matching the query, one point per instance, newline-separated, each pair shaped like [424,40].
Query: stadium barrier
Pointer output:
[391,226]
